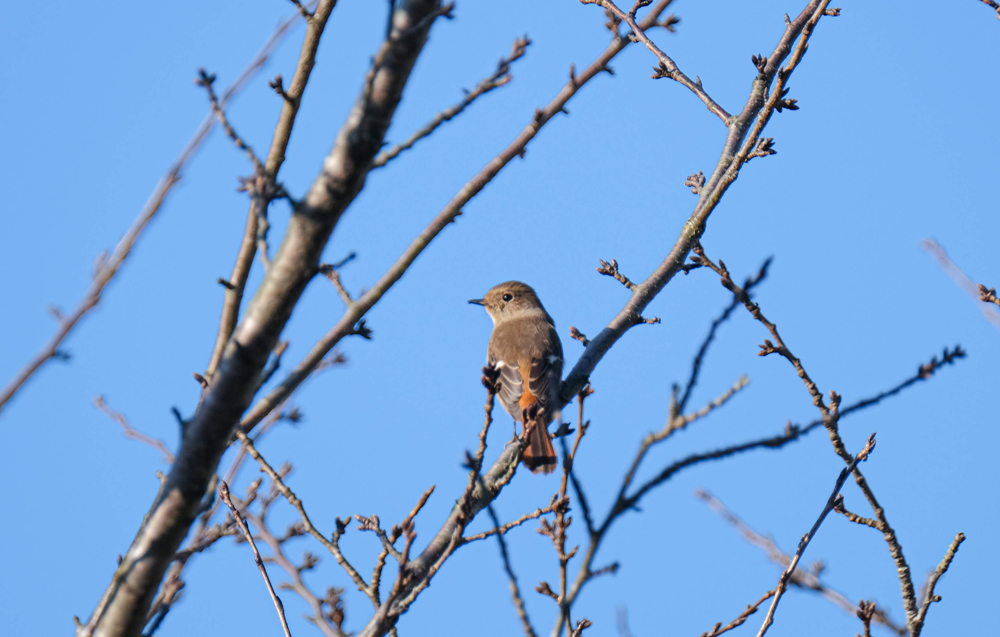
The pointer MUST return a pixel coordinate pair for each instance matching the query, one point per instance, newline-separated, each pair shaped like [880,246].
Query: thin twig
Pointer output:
[498,78]
[304,12]
[132,433]
[333,275]
[611,270]
[696,363]
[253,233]
[929,596]
[988,295]
[830,417]
[804,542]
[503,528]
[109,266]
[838,507]
[206,80]
[683,421]
[744,131]
[675,422]
[224,492]
[207,539]
[275,363]
[557,531]
[994,5]
[371,523]
[962,280]
[332,545]
[205,534]
[515,591]
[415,575]
[806,580]
[628,503]
[718,629]
[325,622]
[667,66]
[581,625]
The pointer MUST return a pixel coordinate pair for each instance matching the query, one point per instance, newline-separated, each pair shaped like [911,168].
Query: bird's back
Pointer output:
[528,353]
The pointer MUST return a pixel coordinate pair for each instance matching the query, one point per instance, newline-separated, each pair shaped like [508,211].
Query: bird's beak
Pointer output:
[478,301]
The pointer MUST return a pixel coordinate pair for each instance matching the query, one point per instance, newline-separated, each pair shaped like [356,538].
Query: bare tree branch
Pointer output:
[332,545]
[131,432]
[718,629]
[108,266]
[205,534]
[303,11]
[503,528]
[699,358]
[206,81]
[994,5]
[830,417]
[804,542]
[667,66]
[557,531]
[329,622]
[324,621]
[500,77]
[980,293]
[224,492]
[239,363]
[806,580]
[929,596]
[230,389]
[988,295]
[838,507]
[515,591]
[292,99]
[744,131]
[625,502]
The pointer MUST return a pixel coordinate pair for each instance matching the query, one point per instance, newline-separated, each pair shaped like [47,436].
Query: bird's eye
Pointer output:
[508,297]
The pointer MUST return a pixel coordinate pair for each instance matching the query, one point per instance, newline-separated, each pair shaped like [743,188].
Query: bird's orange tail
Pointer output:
[539,456]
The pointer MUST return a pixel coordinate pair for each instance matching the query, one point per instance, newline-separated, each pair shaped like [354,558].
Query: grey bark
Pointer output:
[122,611]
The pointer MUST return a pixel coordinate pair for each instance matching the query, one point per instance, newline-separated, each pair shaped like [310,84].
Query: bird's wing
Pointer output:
[510,384]
[543,372]
[543,381]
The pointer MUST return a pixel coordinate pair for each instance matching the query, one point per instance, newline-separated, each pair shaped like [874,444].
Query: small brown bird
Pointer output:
[525,348]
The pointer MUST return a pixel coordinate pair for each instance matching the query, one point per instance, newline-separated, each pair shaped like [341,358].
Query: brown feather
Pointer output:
[539,456]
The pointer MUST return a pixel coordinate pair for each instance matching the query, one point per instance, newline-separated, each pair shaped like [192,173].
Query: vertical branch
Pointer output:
[292,99]
[515,591]
[929,596]
[224,492]
[804,542]
[562,522]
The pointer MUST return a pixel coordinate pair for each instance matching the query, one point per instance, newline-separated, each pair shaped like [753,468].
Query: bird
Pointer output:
[525,349]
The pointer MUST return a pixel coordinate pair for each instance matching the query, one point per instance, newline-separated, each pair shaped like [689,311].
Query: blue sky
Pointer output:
[895,142]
